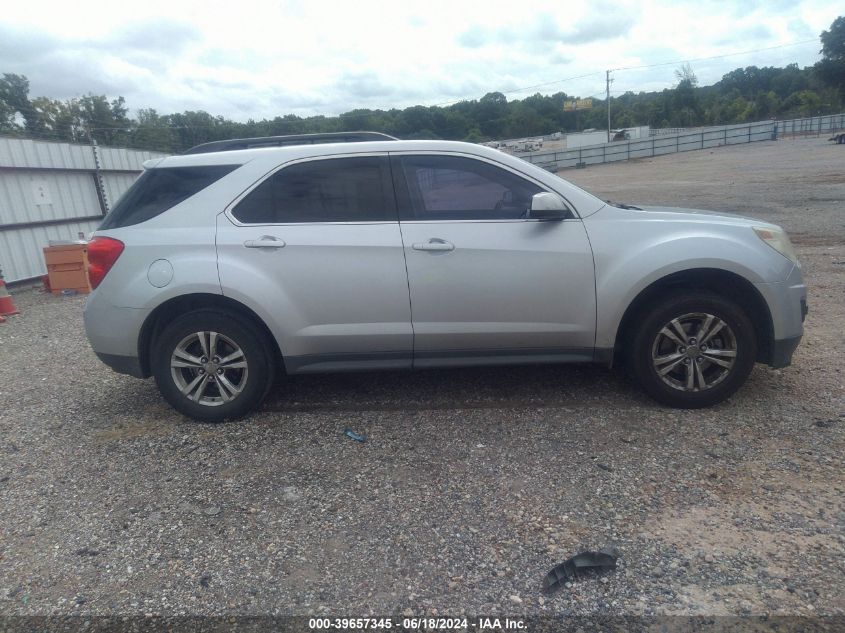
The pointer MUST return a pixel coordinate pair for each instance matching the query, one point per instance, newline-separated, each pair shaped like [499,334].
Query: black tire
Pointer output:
[217,402]
[650,346]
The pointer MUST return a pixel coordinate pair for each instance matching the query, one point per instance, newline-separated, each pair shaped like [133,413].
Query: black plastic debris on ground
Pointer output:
[355,436]
[87,551]
[574,567]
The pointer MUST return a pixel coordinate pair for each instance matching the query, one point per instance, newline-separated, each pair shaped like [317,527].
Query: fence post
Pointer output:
[652,147]
[725,132]
[604,153]
[99,185]
[749,132]
[702,139]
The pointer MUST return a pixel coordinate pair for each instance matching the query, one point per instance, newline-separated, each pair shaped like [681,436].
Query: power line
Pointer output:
[696,59]
[700,59]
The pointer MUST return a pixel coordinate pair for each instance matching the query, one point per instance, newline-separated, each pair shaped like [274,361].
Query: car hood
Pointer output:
[698,215]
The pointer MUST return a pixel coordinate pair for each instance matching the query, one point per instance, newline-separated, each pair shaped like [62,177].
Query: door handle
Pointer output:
[434,244]
[265,241]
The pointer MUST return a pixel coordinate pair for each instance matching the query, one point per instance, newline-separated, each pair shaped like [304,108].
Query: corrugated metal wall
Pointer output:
[49,191]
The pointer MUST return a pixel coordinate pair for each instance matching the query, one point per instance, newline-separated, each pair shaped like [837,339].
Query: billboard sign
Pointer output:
[577,104]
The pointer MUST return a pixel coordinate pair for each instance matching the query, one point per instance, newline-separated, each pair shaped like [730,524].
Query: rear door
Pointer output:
[316,249]
[487,284]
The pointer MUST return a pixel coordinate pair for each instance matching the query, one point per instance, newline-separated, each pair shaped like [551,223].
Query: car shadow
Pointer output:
[465,388]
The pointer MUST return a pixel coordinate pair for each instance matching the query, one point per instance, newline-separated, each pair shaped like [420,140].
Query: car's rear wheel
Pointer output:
[212,366]
[693,350]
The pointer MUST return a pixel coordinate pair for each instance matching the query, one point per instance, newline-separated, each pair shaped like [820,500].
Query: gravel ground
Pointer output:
[471,485]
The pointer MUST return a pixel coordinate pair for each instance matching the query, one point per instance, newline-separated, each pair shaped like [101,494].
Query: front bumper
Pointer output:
[123,364]
[782,351]
[787,301]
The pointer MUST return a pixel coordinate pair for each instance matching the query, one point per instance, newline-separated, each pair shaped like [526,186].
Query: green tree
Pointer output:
[832,66]
[152,132]
[686,105]
[14,94]
[474,136]
[491,114]
[804,103]
[7,118]
[105,121]
[60,120]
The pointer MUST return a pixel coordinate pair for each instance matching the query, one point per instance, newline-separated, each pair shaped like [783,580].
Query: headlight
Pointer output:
[778,240]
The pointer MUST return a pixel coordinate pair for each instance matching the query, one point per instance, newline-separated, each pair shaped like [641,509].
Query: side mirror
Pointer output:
[547,206]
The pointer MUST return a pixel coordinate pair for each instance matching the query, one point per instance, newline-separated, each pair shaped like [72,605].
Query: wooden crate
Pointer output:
[67,267]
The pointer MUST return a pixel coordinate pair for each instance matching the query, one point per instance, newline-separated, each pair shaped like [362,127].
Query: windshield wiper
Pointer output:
[622,205]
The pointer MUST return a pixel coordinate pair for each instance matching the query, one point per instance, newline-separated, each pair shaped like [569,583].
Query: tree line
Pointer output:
[744,94]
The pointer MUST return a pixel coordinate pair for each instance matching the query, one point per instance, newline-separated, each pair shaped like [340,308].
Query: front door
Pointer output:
[487,284]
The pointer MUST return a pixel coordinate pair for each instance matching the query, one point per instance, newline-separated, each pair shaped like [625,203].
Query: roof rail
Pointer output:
[292,139]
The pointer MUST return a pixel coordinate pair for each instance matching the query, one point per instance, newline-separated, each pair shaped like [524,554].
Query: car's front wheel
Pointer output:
[211,366]
[693,350]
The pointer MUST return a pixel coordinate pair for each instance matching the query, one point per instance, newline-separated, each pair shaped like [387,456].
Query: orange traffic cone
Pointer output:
[7,305]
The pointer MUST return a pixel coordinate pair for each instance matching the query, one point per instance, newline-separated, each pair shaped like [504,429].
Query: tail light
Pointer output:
[102,254]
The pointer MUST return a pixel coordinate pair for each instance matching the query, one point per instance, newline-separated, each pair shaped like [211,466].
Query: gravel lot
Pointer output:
[471,485]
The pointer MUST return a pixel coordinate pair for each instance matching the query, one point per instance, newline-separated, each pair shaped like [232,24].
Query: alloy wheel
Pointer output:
[694,352]
[209,368]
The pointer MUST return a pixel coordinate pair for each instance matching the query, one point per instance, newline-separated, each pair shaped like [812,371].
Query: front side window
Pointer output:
[355,189]
[159,189]
[456,188]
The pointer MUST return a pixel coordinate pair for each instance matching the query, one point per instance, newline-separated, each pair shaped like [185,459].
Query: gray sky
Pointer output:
[257,59]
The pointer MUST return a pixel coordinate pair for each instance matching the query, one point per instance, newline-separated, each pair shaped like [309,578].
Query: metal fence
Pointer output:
[812,126]
[55,191]
[654,146]
[674,140]
[666,131]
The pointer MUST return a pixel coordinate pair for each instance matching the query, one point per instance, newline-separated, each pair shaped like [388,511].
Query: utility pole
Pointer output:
[608,106]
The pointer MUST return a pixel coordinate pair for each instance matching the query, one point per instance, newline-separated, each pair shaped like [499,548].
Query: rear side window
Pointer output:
[157,190]
[355,189]
[457,188]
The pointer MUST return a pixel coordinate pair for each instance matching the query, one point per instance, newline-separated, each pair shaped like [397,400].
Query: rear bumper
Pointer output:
[113,333]
[123,364]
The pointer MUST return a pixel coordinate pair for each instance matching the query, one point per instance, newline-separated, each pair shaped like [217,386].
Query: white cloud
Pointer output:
[264,58]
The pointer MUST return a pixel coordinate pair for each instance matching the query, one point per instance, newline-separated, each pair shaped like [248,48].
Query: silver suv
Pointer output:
[241,259]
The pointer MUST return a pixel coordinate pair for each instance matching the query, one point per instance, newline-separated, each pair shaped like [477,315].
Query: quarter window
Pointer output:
[355,189]
[456,188]
[159,189]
